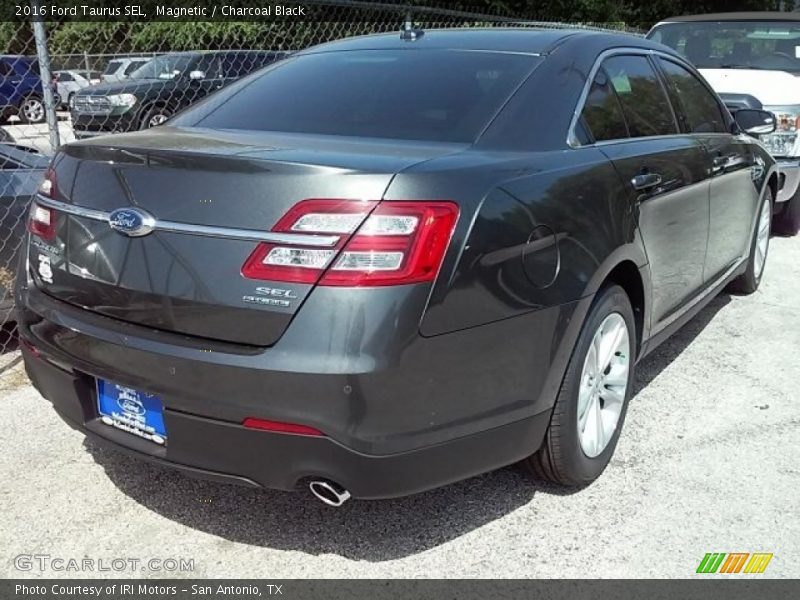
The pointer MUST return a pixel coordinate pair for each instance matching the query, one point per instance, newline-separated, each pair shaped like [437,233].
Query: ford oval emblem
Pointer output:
[133,222]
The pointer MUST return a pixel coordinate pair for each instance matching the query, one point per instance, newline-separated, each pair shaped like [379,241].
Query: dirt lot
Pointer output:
[707,463]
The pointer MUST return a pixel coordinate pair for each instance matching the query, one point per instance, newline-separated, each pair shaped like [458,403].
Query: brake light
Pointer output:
[280,427]
[42,221]
[390,243]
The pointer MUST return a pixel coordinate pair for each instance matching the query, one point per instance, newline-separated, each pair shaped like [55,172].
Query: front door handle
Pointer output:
[645,181]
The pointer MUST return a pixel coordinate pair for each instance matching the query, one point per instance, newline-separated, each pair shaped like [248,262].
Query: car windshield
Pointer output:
[771,45]
[163,67]
[437,95]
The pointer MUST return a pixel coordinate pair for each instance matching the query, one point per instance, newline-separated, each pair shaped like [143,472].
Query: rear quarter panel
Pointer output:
[536,230]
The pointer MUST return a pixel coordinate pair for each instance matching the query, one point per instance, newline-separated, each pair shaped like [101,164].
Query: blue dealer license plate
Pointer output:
[136,412]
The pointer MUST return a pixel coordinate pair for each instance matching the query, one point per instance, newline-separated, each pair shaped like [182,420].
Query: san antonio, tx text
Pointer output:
[147,590]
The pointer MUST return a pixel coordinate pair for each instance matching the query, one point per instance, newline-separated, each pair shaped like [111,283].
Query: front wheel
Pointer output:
[155,116]
[591,405]
[748,282]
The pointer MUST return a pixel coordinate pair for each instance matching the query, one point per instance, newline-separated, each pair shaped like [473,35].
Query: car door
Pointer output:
[7,84]
[733,197]
[665,173]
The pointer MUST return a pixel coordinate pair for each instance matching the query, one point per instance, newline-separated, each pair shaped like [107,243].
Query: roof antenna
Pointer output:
[410,33]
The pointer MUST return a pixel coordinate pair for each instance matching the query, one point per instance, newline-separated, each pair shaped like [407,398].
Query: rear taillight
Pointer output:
[390,243]
[48,186]
[42,221]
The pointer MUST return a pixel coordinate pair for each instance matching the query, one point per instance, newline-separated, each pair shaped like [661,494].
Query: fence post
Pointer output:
[86,63]
[45,74]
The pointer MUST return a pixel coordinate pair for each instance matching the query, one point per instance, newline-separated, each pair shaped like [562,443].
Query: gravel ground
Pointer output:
[707,463]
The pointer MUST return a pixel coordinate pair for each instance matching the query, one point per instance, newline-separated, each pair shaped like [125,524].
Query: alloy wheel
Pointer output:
[762,239]
[603,384]
[33,110]
[157,119]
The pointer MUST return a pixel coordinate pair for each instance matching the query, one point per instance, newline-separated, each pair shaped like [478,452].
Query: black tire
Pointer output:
[787,221]
[748,282]
[561,459]
[41,115]
[152,112]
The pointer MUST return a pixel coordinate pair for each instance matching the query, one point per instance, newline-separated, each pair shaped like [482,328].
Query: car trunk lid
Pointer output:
[213,192]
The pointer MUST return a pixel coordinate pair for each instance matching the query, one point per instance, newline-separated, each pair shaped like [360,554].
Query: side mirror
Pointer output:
[197,75]
[755,122]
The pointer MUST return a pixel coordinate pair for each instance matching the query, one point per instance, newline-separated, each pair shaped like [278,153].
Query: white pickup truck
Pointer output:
[753,61]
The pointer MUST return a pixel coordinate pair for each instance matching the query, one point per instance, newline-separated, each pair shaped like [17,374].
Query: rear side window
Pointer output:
[436,95]
[644,103]
[111,67]
[65,77]
[5,70]
[602,112]
[701,112]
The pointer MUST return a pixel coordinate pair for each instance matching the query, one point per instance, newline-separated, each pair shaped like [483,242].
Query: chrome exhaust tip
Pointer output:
[328,492]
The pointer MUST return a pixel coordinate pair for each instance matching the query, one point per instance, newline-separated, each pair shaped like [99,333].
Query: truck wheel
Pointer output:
[155,116]
[787,221]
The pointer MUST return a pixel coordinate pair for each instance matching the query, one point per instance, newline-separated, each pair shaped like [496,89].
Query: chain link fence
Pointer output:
[110,77]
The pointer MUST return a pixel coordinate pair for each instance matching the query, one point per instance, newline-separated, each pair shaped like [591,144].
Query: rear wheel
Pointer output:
[32,110]
[591,405]
[787,222]
[748,282]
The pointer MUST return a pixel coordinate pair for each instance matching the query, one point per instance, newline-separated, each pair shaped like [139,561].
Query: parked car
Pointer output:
[119,69]
[67,83]
[392,262]
[20,89]
[754,60]
[161,88]
[21,172]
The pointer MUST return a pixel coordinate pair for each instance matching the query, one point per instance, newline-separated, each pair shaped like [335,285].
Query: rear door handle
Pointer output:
[645,181]
[721,161]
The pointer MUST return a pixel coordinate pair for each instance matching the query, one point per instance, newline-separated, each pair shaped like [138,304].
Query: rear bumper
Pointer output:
[229,453]
[440,410]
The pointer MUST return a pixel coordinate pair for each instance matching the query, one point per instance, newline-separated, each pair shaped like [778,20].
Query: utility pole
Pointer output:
[45,74]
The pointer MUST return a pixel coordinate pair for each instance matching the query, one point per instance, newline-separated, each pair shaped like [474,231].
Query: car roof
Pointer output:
[524,40]
[736,16]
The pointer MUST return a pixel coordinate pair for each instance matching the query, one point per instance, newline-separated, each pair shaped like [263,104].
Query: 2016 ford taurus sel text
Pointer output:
[393,262]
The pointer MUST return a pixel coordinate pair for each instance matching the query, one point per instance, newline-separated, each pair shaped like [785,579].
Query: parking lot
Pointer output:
[707,463]
[38,136]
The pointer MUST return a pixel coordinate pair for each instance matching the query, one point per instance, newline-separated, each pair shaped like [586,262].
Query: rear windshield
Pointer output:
[444,95]
[768,45]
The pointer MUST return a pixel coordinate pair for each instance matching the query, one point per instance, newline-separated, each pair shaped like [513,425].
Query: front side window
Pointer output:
[602,113]
[700,109]
[164,67]
[644,103]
